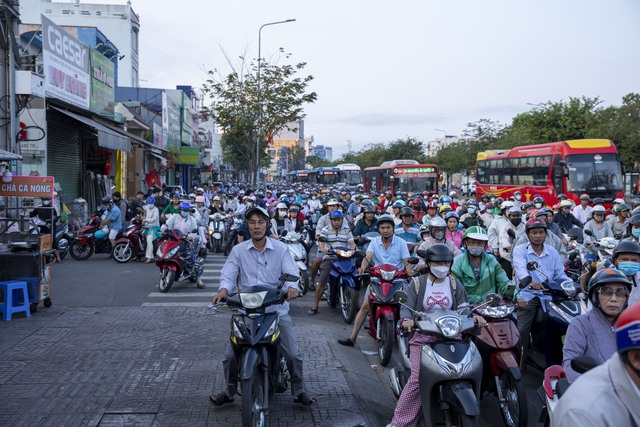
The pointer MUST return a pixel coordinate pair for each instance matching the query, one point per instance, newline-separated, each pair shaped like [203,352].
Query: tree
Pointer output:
[296,157]
[375,154]
[253,110]
[317,162]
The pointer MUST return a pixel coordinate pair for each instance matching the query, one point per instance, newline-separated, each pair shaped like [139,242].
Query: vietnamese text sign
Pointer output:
[102,84]
[189,156]
[66,65]
[28,186]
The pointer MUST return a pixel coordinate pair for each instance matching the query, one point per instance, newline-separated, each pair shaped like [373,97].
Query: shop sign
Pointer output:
[189,156]
[157,135]
[170,120]
[103,93]
[66,65]
[33,148]
[28,186]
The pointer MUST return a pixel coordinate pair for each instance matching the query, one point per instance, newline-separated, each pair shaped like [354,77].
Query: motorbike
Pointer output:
[133,243]
[232,235]
[216,232]
[560,303]
[172,258]
[555,384]
[344,281]
[600,254]
[499,345]
[450,368]
[384,311]
[299,253]
[255,340]
[91,239]
[62,235]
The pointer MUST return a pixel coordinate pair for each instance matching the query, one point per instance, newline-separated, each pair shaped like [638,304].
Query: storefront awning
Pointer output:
[7,156]
[136,138]
[107,138]
[157,155]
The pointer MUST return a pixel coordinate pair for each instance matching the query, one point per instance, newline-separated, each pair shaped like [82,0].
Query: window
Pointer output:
[532,171]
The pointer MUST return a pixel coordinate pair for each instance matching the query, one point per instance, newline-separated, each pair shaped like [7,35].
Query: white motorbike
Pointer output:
[216,232]
[297,249]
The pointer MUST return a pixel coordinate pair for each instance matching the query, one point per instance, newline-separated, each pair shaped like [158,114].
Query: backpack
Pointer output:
[129,213]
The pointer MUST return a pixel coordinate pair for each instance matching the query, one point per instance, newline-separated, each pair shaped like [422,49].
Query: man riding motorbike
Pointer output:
[626,258]
[112,218]
[186,224]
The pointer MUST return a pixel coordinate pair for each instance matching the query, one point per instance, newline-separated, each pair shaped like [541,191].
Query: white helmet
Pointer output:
[437,222]
[566,203]
[216,198]
[506,205]
[281,206]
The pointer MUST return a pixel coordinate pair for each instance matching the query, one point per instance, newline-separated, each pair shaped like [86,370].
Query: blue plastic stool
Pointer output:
[9,306]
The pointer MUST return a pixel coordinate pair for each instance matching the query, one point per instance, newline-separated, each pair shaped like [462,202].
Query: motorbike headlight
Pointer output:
[172,252]
[568,287]
[375,281]
[345,254]
[236,330]
[496,312]
[159,253]
[387,275]
[272,329]
[252,299]
[210,231]
[449,326]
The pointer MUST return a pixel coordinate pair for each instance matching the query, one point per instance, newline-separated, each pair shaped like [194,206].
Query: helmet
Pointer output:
[445,199]
[359,197]
[332,202]
[192,195]
[634,220]
[185,206]
[489,205]
[216,198]
[584,196]
[251,198]
[619,200]
[635,202]
[256,209]
[175,196]
[598,201]
[476,232]
[281,206]
[628,329]
[517,193]
[506,205]
[484,198]
[386,218]
[439,252]
[99,234]
[406,211]
[399,204]
[561,195]
[472,202]
[499,200]
[605,277]
[626,247]
[539,199]
[598,209]
[368,209]
[294,208]
[452,193]
[367,202]
[199,199]
[437,222]
[151,200]
[423,229]
[445,208]
[432,205]
[621,208]
[451,215]
[513,210]
[565,203]
[536,223]
[106,200]
[304,196]
[336,214]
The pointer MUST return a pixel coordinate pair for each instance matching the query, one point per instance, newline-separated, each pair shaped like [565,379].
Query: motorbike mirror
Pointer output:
[583,364]
[511,233]
[413,260]
[284,233]
[588,232]
[422,253]
[360,254]
[288,278]
[195,230]
[526,282]
[400,296]
[322,239]
[532,265]
[573,255]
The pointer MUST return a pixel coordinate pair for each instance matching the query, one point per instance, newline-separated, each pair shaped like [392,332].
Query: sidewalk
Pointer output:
[154,366]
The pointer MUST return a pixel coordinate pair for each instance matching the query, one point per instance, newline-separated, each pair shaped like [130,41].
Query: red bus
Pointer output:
[571,167]
[401,175]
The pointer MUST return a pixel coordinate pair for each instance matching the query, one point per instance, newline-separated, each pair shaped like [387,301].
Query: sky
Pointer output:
[387,70]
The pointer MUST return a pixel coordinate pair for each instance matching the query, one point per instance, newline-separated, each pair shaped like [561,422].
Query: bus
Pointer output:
[401,175]
[351,173]
[327,176]
[303,176]
[571,167]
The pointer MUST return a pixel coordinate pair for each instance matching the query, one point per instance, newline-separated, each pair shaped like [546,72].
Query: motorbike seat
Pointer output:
[562,386]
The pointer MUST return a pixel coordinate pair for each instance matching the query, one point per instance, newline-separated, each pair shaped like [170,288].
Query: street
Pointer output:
[113,350]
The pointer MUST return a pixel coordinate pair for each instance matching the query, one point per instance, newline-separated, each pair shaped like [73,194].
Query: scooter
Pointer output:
[555,384]
[132,243]
[232,235]
[62,235]
[255,336]
[299,253]
[216,232]
[499,345]
[172,258]
[450,368]
[91,239]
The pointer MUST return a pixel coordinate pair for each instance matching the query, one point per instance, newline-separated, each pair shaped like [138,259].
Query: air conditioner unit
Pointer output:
[28,83]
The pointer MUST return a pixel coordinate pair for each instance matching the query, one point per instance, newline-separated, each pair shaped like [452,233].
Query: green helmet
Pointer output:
[476,232]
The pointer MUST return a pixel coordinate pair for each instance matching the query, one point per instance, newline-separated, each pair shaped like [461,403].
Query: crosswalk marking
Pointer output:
[176,304]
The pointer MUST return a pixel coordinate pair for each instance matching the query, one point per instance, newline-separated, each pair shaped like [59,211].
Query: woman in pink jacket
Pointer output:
[453,234]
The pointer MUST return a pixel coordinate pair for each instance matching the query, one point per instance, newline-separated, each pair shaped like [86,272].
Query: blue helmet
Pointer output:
[445,199]
[151,200]
[175,196]
[185,206]
[336,214]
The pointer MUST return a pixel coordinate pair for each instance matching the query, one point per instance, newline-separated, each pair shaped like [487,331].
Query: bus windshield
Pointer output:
[594,173]
[352,177]
[418,185]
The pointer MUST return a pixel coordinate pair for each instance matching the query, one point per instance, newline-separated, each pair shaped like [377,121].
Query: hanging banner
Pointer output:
[28,186]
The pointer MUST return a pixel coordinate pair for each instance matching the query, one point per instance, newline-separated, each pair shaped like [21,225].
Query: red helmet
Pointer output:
[535,223]
[628,329]
[432,205]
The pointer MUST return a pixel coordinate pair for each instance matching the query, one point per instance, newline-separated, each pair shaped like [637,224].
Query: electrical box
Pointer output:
[28,83]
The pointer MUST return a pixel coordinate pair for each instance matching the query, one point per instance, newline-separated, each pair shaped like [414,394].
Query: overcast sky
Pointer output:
[385,70]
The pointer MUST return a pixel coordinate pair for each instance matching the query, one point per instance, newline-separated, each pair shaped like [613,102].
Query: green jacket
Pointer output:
[493,279]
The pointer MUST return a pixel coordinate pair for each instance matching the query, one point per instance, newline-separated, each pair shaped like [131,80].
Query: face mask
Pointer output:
[282,214]
[438,235]
[184,214]
[516,222]
[566,210]
[493,200]
[440,271]
[538,205]
[629,268]
[636,233]
[475,250]
[147,207]
[518,197]
[455,200]
[471,211]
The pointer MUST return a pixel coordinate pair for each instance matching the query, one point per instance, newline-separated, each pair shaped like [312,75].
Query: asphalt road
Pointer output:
[100,282]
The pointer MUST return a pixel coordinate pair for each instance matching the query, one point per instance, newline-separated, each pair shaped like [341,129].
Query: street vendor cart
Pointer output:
[25,249]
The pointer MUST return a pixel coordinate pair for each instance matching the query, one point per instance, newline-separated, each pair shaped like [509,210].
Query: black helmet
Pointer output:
[605,277]
[106,200]
[406,211]
[386,218]
[626,247]
[368,209]
[439,252]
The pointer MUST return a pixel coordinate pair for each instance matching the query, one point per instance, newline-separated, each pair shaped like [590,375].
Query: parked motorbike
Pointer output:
[299,253]
[62,234]
[91,239]
[344,281]
[450,368]
[555,384]
[232,235]
[255,340]
[133,243]
[499,345]
[216,232]
[172,258]
[560,303]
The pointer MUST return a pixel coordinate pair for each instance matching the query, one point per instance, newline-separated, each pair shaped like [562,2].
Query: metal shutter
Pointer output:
[63,157]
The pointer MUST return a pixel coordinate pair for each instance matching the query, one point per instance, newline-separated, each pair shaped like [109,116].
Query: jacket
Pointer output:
[589,334]
[566,222]
[492,277]
[416,296]
[493,232]
[505,241]
[602,397]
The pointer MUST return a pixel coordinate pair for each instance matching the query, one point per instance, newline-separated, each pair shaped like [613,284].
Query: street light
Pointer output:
[259,98]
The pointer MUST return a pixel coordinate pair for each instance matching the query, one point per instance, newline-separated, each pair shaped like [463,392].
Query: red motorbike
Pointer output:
[173,258]
[91,239]
[133,243]
[384,312]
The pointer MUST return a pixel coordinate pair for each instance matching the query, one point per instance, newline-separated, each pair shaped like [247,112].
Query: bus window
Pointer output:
[557,174]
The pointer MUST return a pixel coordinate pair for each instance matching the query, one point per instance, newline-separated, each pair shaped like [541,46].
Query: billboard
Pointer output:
[103,92]
[66,66]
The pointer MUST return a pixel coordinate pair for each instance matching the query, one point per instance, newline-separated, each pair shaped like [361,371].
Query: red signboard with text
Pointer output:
[28,186]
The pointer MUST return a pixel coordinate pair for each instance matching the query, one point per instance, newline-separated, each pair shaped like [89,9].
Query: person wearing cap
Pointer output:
[626,258]
[151,226]
[583,211]
[173,207]
[137,204]
[619,222]
[161,200]
[407,230]
[607,395]
[565,218]
[336,234]
[112,218]
[553,239]
[260,261]
[432,212]
[353,209]
[505,241]
[122,205]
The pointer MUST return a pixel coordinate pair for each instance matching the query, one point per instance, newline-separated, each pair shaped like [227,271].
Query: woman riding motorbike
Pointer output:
[151,226]
[453,234]
[281,221]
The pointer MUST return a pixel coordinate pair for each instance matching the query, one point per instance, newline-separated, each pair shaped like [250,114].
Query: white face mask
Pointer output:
[439,271]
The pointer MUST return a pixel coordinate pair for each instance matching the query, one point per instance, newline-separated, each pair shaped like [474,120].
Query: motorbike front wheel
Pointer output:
[167,277]
[348,304]
[303,283]
[122,252]
[386,329]
[63,248]
[253,397]
[80,252]
[514,407]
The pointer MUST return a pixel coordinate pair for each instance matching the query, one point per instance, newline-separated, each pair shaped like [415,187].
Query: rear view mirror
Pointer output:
[588,232]
[511,233]
[400,296]
[288,278]
[322,239]
[526,282]
[413,260]
[582,364]
[422,253]
[284,233]
[532,265]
